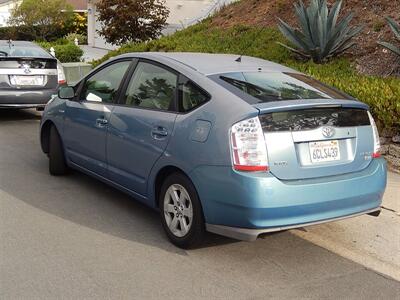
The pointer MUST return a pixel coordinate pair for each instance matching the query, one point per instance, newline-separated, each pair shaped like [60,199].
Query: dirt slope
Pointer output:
[367,55]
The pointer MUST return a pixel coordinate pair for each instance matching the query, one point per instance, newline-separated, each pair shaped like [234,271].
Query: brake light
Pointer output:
[248,148]
[377,144]
[61,74]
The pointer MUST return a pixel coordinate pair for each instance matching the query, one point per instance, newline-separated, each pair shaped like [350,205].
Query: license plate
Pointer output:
[37,80]
[324,151]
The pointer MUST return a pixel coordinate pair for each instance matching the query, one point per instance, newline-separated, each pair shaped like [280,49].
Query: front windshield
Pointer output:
[267,87]
[22,51]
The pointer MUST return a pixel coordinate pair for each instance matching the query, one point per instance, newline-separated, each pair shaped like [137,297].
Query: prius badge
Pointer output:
[328,132]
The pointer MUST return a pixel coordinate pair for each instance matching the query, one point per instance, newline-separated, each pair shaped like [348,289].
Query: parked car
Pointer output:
[235,146]
[29,75]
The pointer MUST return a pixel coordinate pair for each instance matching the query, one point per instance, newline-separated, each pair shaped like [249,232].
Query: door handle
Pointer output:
[101,122]
[159,132]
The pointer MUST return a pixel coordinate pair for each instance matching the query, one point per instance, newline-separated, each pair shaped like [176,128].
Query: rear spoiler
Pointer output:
[277,106]
[30,58]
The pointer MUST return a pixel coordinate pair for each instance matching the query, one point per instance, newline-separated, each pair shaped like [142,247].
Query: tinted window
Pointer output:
[23,51]
[306,119]
[152,87]
[103,86]
[267,87]
[191,96]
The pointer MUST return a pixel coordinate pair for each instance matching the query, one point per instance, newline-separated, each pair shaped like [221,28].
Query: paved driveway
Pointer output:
[74,237]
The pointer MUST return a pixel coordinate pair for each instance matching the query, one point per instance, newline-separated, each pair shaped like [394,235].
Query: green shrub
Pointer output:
[82,39]
[68,53]
[382,94]
[65,50]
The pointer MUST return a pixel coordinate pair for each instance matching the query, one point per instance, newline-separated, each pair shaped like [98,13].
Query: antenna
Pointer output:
[239,59]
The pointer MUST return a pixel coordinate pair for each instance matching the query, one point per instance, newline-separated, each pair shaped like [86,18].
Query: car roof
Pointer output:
[18,43]
[209,64]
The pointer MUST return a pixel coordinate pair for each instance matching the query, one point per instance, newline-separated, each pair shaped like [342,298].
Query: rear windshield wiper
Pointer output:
[3,53]
[247,86]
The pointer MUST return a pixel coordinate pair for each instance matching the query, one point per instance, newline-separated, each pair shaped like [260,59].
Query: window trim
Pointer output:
[85,79]
[122,100]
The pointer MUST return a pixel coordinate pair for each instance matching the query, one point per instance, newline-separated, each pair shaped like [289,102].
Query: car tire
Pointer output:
[186,211]
[57,165]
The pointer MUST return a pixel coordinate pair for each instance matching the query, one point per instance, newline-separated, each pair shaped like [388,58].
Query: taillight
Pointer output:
[249,152]
[61,74]
[377,144]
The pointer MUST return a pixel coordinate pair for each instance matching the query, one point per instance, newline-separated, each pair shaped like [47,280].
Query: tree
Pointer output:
[47,15]
[131,20]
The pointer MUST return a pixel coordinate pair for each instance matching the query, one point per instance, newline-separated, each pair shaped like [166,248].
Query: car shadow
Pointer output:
[77,197]
[9,115]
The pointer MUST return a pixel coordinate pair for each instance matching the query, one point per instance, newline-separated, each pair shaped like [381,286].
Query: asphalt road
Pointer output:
[73,237]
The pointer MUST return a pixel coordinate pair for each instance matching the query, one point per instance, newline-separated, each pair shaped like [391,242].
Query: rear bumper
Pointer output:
[25,99]
[254,203]
[250,235]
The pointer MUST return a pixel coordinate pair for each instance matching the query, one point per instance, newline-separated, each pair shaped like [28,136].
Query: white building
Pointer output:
[183,13]
[6,6]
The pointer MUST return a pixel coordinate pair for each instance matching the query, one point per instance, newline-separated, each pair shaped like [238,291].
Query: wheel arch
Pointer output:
[45,136]
[162,174]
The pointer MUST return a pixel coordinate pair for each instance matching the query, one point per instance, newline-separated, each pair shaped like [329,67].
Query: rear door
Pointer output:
[87,118]
[318,140]
[142,125]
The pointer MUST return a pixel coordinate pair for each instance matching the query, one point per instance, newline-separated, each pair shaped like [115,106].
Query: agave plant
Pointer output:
[396,30]
[320,35]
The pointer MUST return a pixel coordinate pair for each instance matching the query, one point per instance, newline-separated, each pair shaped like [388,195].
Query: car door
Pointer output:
[87,117]
[140,128]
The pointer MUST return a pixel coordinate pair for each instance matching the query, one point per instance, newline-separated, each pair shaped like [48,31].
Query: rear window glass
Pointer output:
[22,51]
[268,87]
[306,119]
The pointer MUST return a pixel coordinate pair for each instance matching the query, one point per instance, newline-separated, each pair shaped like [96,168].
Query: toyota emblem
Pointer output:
[27,69]
[328,132]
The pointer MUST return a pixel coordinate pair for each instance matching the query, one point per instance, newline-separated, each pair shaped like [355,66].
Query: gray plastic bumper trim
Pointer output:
[250,235]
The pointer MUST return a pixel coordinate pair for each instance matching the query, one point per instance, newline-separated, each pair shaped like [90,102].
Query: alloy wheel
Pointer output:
[178,210]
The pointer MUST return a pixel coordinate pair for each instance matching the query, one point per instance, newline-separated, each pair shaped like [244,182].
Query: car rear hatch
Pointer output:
[28,73]
[316,138]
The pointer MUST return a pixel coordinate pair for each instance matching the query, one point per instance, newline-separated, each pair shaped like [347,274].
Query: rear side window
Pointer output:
[152,87]
[191,96]
[103,86]
[269,87]
[298,120]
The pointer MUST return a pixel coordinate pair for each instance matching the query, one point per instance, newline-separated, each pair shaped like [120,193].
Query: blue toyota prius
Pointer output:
[237,146]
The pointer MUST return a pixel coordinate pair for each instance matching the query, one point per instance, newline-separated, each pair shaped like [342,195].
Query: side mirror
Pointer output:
[66,92]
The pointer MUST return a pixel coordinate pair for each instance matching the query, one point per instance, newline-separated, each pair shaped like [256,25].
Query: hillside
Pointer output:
[367,55]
